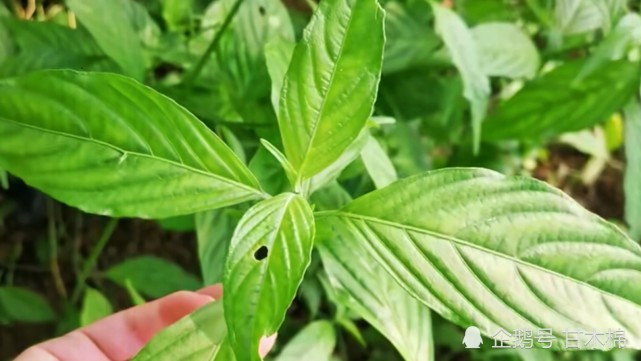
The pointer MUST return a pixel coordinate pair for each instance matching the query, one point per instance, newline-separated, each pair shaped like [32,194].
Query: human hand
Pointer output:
[120,336]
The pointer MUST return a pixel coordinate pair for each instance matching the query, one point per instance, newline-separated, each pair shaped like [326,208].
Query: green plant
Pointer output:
[471,244]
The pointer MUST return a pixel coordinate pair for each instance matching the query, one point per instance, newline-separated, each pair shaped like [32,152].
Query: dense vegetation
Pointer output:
[353,171]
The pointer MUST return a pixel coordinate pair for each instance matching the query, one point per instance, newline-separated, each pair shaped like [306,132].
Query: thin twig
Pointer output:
[191,77]
[53,250]
[90,262]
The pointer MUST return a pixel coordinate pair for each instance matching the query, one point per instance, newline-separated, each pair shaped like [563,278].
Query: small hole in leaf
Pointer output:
[261,253]
[261,10]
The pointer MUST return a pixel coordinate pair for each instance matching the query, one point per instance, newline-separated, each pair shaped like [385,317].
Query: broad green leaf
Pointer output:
[505,50]
[365,288]
[330,87]
[278,54]
[213,231]
[632,179]
[462,46]
[497,252]
[378,164]
[45,45]
[152,276]
[109,145]
[113,33]
[410,39]
[21,305]
[269,253]
[94,307]
[315,342]
[578,16]
[536,113]
[200,336]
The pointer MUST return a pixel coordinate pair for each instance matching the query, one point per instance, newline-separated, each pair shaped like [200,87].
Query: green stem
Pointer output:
[191,77]
[90,262]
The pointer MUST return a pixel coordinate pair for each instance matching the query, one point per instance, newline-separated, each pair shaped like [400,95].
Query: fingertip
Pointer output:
[266,344]
[213,291]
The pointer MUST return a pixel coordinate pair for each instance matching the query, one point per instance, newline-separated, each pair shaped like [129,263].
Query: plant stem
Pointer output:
[90,262]
[191,77]
[53,250]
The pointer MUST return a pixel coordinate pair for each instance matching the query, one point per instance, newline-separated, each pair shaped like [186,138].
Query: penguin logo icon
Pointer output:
[472,338]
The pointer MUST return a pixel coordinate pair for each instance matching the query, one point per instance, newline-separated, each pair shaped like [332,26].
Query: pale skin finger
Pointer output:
[120,336]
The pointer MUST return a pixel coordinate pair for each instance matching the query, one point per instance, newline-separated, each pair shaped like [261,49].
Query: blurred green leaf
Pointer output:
[378,164]
[43,45]
[579,16]
[315,342]
[505,50]
[214,230]
[177,13]
[153,276]
[113,33]
[409,38]
[200,336]
[462,46]
[632,179]
[178,224]
[616,45]
[555,103]
[22,305]
[94,307]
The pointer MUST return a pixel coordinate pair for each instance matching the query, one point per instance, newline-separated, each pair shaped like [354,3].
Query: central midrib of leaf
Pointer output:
[329,87]
[468,244]
[137,154]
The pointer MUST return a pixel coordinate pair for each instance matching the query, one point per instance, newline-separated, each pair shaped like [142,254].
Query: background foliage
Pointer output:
[525,87]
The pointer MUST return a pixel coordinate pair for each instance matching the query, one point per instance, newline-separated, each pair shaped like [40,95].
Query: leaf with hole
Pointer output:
[109,145]
[330,87]
[493,251]
[269,253]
